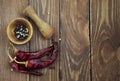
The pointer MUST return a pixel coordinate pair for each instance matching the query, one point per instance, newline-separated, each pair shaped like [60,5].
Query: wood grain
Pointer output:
[48,10]
[78,53]
[9,9]
[105,40]
[74,55]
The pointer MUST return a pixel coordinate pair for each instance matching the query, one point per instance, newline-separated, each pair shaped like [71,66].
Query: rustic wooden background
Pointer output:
[89,30]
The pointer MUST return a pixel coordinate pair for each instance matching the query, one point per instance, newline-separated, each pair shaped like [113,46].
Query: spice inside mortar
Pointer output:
[21,32]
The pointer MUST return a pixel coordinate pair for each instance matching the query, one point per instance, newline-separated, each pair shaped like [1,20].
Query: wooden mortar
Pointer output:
[45,29]
[11,27]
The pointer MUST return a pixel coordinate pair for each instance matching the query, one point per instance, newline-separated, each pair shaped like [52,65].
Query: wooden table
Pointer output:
[88,32]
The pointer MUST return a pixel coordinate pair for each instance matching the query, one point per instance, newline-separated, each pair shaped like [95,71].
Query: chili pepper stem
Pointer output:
[11,59]
[14,59]
[14,48]
[25,63]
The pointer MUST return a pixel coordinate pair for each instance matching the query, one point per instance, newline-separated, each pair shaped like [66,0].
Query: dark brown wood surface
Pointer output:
[48,10]
[74,55]
[88,34]
[9,10]
[105,40]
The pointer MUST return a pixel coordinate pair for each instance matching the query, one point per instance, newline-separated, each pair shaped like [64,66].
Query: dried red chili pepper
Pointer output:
[38,63]
[31,64]
[23,56]
[22,69]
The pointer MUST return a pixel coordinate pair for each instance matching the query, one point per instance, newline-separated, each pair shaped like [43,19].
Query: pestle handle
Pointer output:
[45,29]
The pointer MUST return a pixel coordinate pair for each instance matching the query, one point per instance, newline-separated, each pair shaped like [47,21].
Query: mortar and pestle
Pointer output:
[45,29]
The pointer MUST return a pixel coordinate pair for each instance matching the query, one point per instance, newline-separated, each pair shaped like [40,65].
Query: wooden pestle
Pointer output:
[45,29]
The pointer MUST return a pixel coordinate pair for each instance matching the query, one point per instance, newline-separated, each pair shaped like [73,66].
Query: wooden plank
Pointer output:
[105,40]
[48,10]
[9,9]
[74,56]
